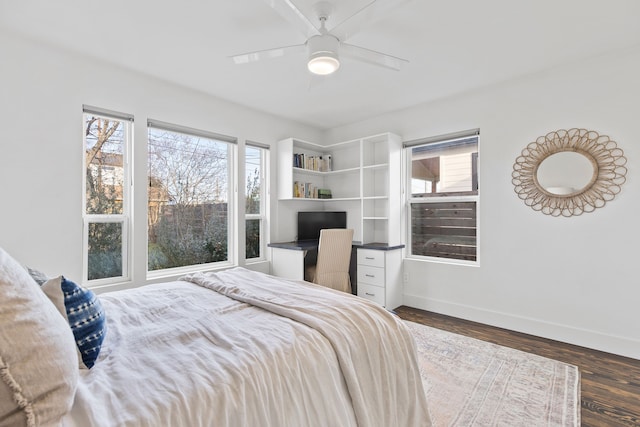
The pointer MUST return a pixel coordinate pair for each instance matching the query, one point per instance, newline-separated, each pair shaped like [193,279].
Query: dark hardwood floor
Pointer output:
[610,384]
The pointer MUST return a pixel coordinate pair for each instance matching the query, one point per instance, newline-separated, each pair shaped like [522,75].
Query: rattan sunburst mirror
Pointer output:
[607,161]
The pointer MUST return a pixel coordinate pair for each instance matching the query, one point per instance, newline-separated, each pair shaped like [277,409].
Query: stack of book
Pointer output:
[314,163]
[306,190]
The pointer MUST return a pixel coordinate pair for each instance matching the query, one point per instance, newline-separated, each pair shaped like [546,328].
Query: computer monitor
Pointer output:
[311,222]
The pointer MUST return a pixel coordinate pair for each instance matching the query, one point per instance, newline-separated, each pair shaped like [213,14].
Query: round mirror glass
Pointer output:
[565,172]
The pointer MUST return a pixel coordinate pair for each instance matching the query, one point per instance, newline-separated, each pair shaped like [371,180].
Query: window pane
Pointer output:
[252,170]
[444,229]
[188,197]
[444,168]
[253,238]
[105,250]
[104,152]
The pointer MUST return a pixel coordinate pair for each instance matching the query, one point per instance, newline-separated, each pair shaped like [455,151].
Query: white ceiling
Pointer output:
[453,46]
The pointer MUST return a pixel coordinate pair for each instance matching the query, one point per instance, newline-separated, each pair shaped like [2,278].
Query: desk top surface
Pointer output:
[303,245]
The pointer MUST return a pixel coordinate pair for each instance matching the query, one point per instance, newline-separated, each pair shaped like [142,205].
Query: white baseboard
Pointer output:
[622,346]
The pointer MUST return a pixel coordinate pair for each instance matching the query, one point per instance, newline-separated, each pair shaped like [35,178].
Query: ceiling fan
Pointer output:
[324,45]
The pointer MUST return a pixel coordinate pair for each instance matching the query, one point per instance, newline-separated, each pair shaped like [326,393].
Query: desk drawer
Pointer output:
[372,293]
[371,257]
[371,275]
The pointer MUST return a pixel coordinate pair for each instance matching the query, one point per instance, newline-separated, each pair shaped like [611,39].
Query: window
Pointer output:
[443,176]
[190,197]
[255,199]
[107,200]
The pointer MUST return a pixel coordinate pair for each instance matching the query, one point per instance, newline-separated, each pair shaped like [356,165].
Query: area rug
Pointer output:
[469,382]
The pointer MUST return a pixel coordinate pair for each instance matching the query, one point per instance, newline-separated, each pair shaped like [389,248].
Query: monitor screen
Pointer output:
[310,223]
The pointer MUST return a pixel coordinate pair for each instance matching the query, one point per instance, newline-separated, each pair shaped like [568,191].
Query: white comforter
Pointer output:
[251,350]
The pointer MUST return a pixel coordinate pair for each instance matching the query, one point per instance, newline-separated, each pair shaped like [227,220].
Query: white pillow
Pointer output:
[38,359]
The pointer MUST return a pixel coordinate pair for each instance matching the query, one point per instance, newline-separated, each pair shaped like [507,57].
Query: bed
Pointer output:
[233,348]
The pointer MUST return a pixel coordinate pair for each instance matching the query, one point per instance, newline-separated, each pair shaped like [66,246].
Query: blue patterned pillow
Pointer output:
[82,309]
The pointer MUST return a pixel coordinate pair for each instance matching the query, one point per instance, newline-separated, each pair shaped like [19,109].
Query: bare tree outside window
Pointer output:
[253,202]
[104,161]
[105,143]
[187,200]
[253,189]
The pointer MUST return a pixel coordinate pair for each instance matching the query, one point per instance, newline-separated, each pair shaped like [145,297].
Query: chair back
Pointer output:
[334,257]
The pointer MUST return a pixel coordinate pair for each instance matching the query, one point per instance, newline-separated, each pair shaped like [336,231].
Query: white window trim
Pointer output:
[232,206]
[263,216]
[435,199]
[126,217]
[232,200]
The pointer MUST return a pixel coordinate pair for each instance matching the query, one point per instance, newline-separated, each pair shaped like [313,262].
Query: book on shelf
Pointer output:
[306,190]
[298,189]
[314,163]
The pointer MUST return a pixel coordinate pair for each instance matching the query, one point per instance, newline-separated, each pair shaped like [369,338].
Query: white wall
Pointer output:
[572,279]
[41,98]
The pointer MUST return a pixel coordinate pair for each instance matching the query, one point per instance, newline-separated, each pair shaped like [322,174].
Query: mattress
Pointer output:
[240,348]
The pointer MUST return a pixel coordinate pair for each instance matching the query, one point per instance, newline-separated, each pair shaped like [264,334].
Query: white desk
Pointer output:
[287,258]
[378,268]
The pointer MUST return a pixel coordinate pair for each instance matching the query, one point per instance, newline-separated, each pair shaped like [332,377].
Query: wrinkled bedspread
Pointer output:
[240,348]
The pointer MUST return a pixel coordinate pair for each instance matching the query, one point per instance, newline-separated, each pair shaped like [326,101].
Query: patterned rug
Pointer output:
[475,383]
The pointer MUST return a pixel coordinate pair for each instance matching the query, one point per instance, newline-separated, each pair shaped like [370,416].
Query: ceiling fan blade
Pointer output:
[294,16]
[367,15]
[259,55]
[372,57]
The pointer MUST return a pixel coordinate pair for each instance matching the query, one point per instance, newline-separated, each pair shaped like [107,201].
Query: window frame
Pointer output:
[232,200]
[125,218]
[264,202]
[441,197]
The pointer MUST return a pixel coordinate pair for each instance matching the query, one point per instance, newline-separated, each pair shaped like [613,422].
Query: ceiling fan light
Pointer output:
[323,63]
[323,54]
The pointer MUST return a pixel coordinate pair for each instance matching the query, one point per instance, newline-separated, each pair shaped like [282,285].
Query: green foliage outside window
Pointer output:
[252,206]
[187,200]
[104,182]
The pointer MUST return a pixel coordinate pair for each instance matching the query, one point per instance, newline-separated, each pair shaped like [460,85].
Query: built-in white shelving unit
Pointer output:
[364,180]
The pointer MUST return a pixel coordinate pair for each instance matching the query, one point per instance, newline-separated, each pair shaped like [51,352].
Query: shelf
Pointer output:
[341,171]
[365,182]
[304,199]
[336,199]
[308,146]
[342,199]
[374,167]
[304,171]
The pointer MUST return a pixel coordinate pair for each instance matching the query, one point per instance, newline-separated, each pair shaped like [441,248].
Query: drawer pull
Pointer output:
[369,257]
[368,294]
[369,275]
